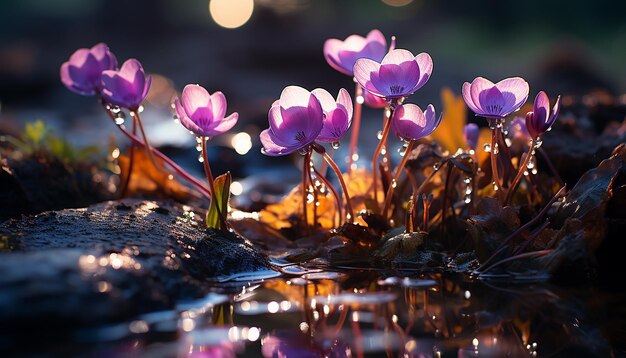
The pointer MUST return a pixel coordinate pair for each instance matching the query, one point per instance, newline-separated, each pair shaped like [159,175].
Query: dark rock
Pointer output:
[95,265]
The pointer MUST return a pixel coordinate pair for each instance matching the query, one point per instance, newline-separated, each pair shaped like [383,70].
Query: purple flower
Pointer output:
[517,129]
[495,100]
[342,55]
[128,86]
[337,114]
[541,119]
[296,120]
[471,133]
[83,71]
[373,101]
[398,75]
[203,113]
[409,122]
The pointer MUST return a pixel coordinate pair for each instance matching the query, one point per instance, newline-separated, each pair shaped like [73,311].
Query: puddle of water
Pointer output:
[361,313]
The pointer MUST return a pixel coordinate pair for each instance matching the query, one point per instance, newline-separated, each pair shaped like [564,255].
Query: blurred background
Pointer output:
[252,49]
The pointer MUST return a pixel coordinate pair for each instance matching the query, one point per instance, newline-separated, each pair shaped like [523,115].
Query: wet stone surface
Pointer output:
[109,262]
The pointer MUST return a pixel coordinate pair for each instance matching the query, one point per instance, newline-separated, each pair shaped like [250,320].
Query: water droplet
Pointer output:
[335,145]
[309,198]
[487,147]
[394,183]
[317,203]
[360,99]
[348,217]
[538,143]
[140,109]
[468,190]
[383,151]
[436,166]
[303,151]
[379,135]
[114,109]
[508,142]
[201,158]
[119,118]
[468,200]
[199,147]
[495,149]
[495,186]
[467,180]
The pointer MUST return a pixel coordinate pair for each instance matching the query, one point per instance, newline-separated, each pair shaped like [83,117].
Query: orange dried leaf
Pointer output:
[148,180]
[449,134]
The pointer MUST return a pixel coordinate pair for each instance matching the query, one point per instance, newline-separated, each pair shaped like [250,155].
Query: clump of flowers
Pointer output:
[440,181]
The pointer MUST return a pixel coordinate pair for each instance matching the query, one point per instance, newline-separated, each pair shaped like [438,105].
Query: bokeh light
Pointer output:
[231,14]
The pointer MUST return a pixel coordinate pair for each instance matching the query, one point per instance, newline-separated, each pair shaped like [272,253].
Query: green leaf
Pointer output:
[35,132]
[216,216]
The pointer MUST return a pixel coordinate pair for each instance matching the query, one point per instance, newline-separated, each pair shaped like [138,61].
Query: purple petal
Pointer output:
[373,101]
[336,124]
[479,84]
[425,64]
[468,98]
[331,54]
[129,70]
[294,96]
[270,145]
[224,125]
[531,125]
[492,102]
[555,111]
[515,92]
[541,109]
[326,100]
[106,58]
[375,36]
[194,98]
[146,88]
[399,73]
[344,99]
[408,122]
[218,101]
[471,133]
[364,70]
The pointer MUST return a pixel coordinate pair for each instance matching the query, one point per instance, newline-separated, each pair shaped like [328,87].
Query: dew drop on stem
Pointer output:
[335,145]
[487,147]
[119,118]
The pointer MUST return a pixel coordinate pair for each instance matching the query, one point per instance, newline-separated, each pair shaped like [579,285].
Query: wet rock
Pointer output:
[109,262]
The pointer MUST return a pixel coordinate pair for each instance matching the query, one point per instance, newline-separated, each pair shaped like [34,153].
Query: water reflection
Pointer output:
[366,313]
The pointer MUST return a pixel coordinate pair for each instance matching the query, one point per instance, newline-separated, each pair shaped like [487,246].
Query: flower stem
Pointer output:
[209,177]
[333,191]
[495,131]
[312,185]
[379,147]
[356,125]
[520,172]
[305,165]
[344,187]
[180,171]
[399,169]
[131,161]
[135,113]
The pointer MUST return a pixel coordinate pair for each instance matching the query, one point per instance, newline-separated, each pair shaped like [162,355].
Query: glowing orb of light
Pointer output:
[231,14]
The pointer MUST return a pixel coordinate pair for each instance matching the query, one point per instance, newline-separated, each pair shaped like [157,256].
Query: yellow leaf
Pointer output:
[450,132]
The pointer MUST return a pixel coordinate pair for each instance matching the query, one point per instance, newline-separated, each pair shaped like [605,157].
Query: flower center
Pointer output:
[300,137]
[494,108]
[396,89]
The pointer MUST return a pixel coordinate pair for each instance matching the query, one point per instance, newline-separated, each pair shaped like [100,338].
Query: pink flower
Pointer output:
[517,129]
[203,113]
[495,100]
[82,73]
[409,122]
[337,114]
[128,86]
[342,55]
[471,133]
[541,119]
[295,120]
[373,101]
[398,75]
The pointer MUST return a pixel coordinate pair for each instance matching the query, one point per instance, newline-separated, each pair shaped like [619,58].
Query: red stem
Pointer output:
[344,187]
[395,178]
[180,171]
[379,147]
[306,163]
[520,172]
[356,125]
